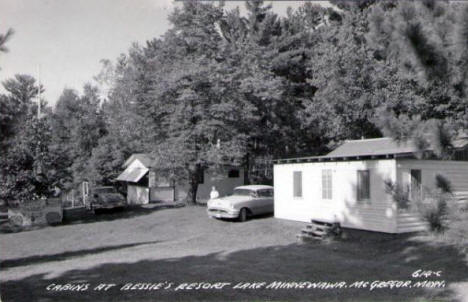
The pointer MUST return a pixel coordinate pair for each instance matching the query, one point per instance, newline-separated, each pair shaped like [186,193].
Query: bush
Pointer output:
[443,184]
[399,195]
[435,213]
[435,208]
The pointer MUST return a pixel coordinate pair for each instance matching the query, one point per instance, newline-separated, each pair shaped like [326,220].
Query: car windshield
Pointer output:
[104,190]
[243,192]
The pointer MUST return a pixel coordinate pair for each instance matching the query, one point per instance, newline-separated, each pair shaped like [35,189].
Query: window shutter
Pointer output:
[363,185]
[297,183]
[327,186]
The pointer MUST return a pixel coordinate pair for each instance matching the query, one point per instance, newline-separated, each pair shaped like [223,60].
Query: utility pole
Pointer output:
[39,169]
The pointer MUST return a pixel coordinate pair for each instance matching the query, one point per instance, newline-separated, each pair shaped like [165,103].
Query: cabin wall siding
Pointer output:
[455,171]
[376,214]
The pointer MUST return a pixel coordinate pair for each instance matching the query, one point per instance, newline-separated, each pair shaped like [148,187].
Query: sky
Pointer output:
[62,41]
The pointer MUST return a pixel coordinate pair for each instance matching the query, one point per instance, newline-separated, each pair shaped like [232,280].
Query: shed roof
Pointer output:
[144,158]
[132,174]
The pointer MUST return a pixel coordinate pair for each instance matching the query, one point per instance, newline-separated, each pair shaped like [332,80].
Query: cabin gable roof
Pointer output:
[375,148]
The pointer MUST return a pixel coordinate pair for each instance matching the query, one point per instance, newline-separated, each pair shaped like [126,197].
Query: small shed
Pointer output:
[145,184]
[348,184]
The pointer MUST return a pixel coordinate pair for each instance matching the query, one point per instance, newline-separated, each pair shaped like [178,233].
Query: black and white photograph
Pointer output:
[247,150]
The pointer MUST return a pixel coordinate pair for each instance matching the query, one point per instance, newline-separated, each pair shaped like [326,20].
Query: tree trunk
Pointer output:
[247,170]
[193,188]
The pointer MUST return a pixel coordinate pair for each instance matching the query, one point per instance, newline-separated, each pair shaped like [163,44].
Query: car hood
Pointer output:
[226,201]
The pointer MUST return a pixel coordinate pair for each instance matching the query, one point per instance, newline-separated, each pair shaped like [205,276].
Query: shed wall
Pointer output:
[137,194]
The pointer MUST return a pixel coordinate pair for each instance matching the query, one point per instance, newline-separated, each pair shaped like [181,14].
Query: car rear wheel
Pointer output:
[243,215]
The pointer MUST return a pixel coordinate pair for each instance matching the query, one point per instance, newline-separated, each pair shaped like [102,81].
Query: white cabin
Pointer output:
[348,184]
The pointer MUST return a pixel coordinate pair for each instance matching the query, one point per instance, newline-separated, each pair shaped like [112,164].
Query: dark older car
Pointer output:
[106,198]
[244,202]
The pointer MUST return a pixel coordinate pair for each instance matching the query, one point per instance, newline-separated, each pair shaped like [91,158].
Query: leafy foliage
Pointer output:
[436,210]
[225,88]
[27,163]
[427,41]
[400,195]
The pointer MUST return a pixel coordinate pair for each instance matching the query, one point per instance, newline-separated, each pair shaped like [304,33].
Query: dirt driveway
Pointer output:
[181,255]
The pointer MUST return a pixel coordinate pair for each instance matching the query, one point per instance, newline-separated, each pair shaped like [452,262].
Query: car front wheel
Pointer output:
[243,215]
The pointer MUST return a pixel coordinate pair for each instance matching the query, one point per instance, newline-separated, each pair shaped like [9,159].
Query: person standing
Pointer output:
[214,193]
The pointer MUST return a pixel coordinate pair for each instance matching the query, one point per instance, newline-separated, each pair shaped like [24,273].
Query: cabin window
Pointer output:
[297,183]
[363,185]
[233,173]
[416,184]
[327,184]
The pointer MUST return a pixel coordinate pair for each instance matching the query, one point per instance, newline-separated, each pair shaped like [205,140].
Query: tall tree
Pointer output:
[18,104]
[343,73]
[132,122]
[428,41]
[26,159]
[202,108]
[78,125]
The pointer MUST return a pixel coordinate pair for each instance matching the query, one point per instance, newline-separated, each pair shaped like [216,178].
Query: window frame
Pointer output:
[297,185]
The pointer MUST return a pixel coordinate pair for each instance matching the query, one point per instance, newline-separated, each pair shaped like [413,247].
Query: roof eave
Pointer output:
[315,159]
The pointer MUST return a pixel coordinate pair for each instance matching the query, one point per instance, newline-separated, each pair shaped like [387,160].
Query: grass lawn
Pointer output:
[182,245]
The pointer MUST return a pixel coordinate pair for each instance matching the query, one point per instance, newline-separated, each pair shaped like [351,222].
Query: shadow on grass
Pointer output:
[67,255]
[392,259]
[85,216]
[250,218]
[115,214]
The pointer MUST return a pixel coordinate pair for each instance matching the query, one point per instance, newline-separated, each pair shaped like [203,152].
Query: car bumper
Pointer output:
[222,213]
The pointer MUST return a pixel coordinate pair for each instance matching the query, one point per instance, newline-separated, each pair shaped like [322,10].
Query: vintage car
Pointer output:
[106,198]
[245,201]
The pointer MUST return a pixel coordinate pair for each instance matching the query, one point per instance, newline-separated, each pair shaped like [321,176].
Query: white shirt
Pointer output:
[214,194]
